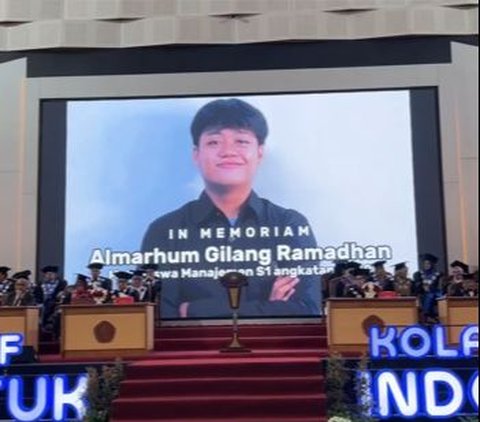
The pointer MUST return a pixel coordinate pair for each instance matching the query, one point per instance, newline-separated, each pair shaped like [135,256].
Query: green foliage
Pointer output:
[364,405]
[338,402]
[339,419]
[335,384]
[102,388]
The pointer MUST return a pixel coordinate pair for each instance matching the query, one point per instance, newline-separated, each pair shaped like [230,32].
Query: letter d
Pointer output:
[449,407]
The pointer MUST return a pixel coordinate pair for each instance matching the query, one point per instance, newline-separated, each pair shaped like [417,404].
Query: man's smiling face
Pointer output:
[228,157]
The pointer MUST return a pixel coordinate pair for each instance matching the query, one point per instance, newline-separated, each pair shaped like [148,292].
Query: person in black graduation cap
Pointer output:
[427,283]
[21,295]
[143,289]
[123,287]
[347,278]
[6,284]
[152,281]
[96,279]
[151,278]
[50,285]
[80,292]
[383,278]
[354,284]
[370,287]
[47,294]
[456,284]
[329,279]
[4,273]
[403,284]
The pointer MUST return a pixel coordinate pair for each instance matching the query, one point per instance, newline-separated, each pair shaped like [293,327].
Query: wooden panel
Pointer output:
[150,327]
[349,319]
[456,312]
[22,320]
[131,329]
[442,312]
[12,324]
[348,303]
[79,332]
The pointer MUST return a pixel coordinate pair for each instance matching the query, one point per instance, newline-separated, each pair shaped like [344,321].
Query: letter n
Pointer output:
[390,391]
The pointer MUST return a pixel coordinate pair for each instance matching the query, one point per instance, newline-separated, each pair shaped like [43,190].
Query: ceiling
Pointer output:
[50,24]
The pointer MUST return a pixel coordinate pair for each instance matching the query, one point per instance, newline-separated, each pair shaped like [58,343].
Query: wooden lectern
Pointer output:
[455,313]
[107,330]
[22,320]
[349,320]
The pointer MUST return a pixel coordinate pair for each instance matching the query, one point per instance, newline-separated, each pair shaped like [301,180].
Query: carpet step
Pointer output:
[225,367]
[245,330]
[225,386]
[189,354]
[221,406]
[257,353]
[261,342]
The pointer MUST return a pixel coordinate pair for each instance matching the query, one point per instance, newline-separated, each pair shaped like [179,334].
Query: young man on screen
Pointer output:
[228,148]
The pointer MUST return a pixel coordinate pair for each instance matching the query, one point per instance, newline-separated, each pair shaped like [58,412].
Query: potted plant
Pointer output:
[102,388]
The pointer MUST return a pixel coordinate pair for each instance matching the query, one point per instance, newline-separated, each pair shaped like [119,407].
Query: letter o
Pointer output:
[424,346]
[473,391]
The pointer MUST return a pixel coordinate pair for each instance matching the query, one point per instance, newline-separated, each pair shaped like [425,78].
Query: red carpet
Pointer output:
[186,379]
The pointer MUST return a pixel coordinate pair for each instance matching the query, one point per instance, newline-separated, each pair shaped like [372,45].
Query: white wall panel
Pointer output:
[100,23]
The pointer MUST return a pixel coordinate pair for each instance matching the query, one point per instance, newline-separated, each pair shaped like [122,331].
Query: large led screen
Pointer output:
[276,187]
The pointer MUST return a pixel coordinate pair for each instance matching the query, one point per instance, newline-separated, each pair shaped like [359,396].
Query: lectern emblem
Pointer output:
[372,320]
[104,332]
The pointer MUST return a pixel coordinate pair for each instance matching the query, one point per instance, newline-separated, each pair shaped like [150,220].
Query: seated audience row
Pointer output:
[51,290]
[349,279]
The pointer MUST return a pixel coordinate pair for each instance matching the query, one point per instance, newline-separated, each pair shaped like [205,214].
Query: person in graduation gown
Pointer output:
[80,292]
[77,294]
[402,283]
[347,279]
[6,283]
[370,287]
[427,285]
[96,279]
[151,279]
[124,289]
[47,293]
[144,290]
[21,295]
[381,277]
[354,283]
[330,279]
[458,281]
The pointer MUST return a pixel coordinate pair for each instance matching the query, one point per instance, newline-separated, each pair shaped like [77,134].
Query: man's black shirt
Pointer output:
[261,225]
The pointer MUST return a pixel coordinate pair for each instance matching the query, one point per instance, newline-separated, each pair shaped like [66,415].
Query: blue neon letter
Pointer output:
[10,345]
[473,391]
[15,399]
[469,340]
[73,399]
[377,342]
[440,343]
[405,399]
[451,407]
[425,342]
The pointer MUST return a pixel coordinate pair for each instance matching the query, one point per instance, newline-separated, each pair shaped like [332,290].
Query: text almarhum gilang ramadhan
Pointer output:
[225,254]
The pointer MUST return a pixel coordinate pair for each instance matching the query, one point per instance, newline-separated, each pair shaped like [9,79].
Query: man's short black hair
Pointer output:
[229,113]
